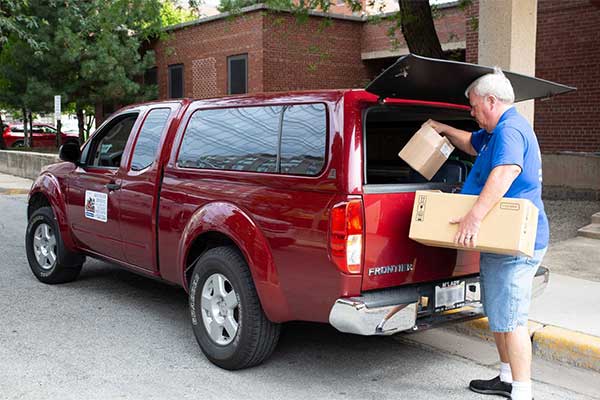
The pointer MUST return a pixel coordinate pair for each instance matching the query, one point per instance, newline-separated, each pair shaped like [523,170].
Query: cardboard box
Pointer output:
[426,151]
[509,228]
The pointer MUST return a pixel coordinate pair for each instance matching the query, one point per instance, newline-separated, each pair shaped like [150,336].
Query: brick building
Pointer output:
[264,50]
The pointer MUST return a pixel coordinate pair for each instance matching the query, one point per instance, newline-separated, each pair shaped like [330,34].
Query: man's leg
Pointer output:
[518,344]
[505,370]
[500,339]
[501,384]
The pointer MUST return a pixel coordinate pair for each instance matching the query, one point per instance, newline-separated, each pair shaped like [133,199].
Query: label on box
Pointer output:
[446,150]
[421,208]
[509,206]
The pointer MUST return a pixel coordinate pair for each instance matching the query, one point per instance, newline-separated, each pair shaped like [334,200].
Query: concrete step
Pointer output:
[596,218]
[590,231]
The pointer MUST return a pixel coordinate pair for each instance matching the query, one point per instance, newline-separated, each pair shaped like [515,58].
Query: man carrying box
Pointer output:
[508,164]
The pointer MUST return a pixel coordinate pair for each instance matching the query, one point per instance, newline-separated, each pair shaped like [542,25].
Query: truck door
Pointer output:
[139,188]
[92,200]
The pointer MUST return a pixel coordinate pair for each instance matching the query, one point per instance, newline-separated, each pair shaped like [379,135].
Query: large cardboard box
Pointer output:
[509,228]
[426,151]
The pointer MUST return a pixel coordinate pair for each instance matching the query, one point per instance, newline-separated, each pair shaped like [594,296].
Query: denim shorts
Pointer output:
[506,283]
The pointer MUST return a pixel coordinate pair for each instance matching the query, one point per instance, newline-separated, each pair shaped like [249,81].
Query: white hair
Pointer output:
[495,84]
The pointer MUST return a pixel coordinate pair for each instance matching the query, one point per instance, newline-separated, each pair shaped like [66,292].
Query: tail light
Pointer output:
[346,234]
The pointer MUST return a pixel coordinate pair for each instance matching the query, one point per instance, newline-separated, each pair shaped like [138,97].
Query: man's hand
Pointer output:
[468,229]
[458,137]
[437,126]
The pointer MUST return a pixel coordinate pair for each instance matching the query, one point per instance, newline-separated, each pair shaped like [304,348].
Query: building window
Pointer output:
[237,74]
[151,76]
[176,81]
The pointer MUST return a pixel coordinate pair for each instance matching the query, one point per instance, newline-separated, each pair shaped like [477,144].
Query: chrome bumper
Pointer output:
[353,315]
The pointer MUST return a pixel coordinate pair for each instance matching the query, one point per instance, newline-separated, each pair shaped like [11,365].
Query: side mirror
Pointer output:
[70,152]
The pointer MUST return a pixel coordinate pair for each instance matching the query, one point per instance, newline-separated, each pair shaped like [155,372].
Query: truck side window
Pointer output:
[148,139]
[303,139]
[244,138]
[108,144]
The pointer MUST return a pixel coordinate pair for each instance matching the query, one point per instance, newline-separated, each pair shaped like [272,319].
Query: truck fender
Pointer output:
[47,185]
[231,221]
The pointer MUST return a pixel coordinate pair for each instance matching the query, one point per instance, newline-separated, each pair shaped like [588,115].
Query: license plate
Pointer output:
[449,295]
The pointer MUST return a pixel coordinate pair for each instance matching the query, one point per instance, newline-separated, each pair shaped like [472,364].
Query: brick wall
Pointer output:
[316,54]
[568,51]
[471,31]
[203,50]
[449,25]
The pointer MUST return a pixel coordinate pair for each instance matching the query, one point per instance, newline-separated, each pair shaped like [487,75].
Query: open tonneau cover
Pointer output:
[420,78]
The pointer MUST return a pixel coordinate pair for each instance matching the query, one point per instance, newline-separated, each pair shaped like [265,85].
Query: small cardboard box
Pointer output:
[509,228]
[426,151]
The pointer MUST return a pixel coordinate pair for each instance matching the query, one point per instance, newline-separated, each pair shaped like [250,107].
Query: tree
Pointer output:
[92,52]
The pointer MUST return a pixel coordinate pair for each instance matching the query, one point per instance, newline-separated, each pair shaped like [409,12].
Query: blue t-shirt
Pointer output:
[511,142]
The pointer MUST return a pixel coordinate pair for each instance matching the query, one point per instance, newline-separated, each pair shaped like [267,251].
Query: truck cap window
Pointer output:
[303,139]
[242,139]
[149,138]
[249,139]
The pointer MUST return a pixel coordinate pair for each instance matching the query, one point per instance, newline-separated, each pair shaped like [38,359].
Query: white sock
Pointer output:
[505,372]
[521,390]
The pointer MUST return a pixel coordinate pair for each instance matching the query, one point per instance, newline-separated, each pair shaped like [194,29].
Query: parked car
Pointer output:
[44,135]
[270,208]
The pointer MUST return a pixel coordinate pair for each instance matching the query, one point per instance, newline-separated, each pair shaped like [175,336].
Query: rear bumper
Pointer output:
[389,311]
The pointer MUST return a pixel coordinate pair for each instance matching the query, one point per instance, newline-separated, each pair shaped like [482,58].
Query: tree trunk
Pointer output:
[2,144]
[80,124]
[25,129]
[88,124]
[418,28]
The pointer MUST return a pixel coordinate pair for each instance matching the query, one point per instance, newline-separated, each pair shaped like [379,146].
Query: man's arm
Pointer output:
[495,188]
[458,137]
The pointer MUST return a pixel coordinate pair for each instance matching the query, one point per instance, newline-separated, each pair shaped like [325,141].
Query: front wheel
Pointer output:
[227,318]
[48,258]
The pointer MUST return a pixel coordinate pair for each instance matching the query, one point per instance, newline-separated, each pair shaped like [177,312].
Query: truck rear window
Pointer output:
[388,128]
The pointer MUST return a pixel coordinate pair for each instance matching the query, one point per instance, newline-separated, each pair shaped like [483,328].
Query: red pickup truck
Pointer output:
[270,208]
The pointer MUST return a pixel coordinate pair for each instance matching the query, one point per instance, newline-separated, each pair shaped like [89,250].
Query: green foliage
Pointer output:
[171,14]
[16,20]
[92,53]
[234,6]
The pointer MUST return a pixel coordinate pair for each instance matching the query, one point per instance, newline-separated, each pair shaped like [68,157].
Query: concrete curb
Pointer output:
[549,342]
[25,164]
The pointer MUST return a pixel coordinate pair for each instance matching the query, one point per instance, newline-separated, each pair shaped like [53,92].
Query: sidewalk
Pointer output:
[564,320]
[10,184]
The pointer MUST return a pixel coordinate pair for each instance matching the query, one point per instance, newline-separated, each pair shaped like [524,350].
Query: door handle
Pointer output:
[113,186]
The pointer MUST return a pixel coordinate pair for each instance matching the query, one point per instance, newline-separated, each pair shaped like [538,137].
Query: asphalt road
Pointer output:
[112,334]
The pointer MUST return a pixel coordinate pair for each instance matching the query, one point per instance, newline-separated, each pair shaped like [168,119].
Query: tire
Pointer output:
[48,258]
[18,144]
[223,276]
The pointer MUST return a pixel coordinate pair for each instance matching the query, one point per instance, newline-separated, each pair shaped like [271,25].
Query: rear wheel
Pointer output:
[48,258]
[227,318]
[18,144]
